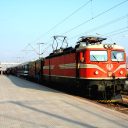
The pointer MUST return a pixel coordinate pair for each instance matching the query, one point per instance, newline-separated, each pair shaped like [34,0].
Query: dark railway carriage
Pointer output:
[35,69]
[22,70]
[38,70]
[12,70]
[31,72]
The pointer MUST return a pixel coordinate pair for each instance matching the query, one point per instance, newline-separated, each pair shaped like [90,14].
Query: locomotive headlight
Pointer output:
[112,45]
[121,72]
[105,46]
[96,72]
[109,45]
[110,74]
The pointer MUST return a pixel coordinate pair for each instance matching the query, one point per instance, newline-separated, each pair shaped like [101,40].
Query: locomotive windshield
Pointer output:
[117,56]
[98,56]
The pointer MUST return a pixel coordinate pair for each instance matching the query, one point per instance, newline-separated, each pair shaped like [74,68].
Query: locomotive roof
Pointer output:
[91,39]
[85,42]
[99,46]
[94,42]
[60,52]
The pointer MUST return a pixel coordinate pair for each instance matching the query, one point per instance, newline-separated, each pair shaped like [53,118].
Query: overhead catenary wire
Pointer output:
[100,14]
[109,34]
[32,48]
[101,26]
[63,20]
[66,18]
[117,33]
[91,8]
[110,22]
[93,17]
[46,48]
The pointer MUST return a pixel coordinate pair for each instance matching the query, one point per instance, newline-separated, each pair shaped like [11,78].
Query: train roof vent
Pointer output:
[58,50]
[68,49]
[90,40]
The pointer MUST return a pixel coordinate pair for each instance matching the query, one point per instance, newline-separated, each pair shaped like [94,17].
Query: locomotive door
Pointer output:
[79,61]
[77,66]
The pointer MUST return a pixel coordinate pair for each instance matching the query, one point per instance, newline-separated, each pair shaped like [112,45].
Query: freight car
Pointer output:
[95,69]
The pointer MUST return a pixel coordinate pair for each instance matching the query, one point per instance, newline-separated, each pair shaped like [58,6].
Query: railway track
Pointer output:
[121,106]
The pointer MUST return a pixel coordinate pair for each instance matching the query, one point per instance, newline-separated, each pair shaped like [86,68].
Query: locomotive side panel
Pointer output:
[45,72]
[63,68]
[69,65]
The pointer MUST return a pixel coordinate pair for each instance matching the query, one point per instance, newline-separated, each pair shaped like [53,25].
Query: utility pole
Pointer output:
[39,53]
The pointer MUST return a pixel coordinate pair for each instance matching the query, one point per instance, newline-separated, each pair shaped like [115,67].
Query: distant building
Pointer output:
[4,66]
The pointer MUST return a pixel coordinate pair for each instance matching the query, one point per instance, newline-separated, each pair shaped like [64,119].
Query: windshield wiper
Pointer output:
[95,58]
[115,57]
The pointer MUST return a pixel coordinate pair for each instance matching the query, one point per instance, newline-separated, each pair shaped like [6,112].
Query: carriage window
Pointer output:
[98,56]
[117,56]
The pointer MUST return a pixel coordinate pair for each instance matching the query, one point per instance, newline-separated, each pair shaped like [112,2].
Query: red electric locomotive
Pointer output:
[95,69]
[98,70]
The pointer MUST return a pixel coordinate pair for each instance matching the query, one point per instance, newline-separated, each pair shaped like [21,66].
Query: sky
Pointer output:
[24,24]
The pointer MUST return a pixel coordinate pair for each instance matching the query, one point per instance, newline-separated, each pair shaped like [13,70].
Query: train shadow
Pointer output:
[23,83]
[45,86]
[56,88]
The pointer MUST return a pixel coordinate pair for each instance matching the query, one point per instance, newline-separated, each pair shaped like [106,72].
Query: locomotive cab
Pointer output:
[101,67]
